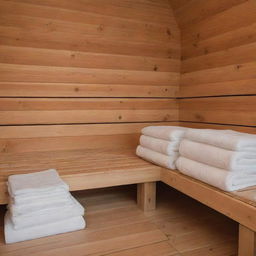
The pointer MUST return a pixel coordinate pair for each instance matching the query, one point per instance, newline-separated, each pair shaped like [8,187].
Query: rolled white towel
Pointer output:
[157,158]
[58,194]
[218,157]
[162,146]
[45,181]
[165,132]
[39,206]
[222,179]
[227,139]
[66,212]
[67,225]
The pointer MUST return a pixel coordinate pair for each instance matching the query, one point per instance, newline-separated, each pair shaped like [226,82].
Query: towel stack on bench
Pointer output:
[40,205]
[222,158]
[160,144]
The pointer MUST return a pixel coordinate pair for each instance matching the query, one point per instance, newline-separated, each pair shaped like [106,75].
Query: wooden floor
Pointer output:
[116,227]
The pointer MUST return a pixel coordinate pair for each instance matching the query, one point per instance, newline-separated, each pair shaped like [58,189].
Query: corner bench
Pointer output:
[88,169]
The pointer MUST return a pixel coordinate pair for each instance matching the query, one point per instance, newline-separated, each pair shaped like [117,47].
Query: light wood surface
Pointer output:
[146,196]
[116,227]
[246,246]
[218,61]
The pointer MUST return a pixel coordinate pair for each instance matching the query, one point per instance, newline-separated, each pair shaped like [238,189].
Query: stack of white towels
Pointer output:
[222,158]
[160,144]
[40,205]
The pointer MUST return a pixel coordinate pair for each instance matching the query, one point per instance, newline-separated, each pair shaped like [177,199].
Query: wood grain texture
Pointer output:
[85,74]
[127,231]
[218,62]
[238,110]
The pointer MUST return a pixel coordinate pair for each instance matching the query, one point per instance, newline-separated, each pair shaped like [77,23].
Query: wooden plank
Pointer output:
[223,22]
[224,203]
[236,55]
[146,196]
[199,125]
[42,131]
[61,58]
[220,74]
[162,248]
[23,89]
[236,87]
[64,111]
[97,31]
[26,73]
[225,110]
[78,16]
[197,11]
[85,43]
[246,245]
[234,38]
[111,8]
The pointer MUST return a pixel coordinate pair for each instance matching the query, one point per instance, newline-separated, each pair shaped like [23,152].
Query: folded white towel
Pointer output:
[39,209]
[40,197]
[66,212]
[227,139]
[218,157]
[30,183]
[222,179]
[162,146]
[67,225]
[157,158]
[165,132]
[39,206]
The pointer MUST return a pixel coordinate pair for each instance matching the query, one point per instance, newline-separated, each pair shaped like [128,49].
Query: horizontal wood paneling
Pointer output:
[62,58]
[84,43]
[45,74]
[67,111]
[30,89]
[17,139]
[200,125]
[218,63]
[85,74]
[225,110]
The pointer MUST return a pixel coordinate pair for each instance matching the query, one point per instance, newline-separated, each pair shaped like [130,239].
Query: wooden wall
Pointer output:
[218,74]
[72,72]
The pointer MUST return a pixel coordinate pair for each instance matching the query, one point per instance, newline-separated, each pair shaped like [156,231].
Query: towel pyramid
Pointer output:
[40,205]
[160,144]
[222,158]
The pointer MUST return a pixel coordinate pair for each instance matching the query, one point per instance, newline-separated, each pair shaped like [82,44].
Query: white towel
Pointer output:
[227,139]
[38,206]
[73,210]
[157,158]
[222,179]
[162,146]
[38,209]
[67,225]
[40,197]
[218,157]
[30,183]
[165,132]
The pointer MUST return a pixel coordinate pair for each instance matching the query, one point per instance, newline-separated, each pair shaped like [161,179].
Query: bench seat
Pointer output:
[88,169]
[81,169]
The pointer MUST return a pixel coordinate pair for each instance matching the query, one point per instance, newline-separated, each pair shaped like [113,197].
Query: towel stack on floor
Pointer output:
[160,144]
[222,158]
[40,205]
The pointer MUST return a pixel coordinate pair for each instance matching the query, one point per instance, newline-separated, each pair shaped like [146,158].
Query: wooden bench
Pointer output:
[107,158]
[87,169]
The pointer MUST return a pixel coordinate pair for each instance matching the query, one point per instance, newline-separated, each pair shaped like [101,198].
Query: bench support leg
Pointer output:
[146,196]
[246,241]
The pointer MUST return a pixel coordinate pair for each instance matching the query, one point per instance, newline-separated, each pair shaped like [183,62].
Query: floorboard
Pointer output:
[116,227]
